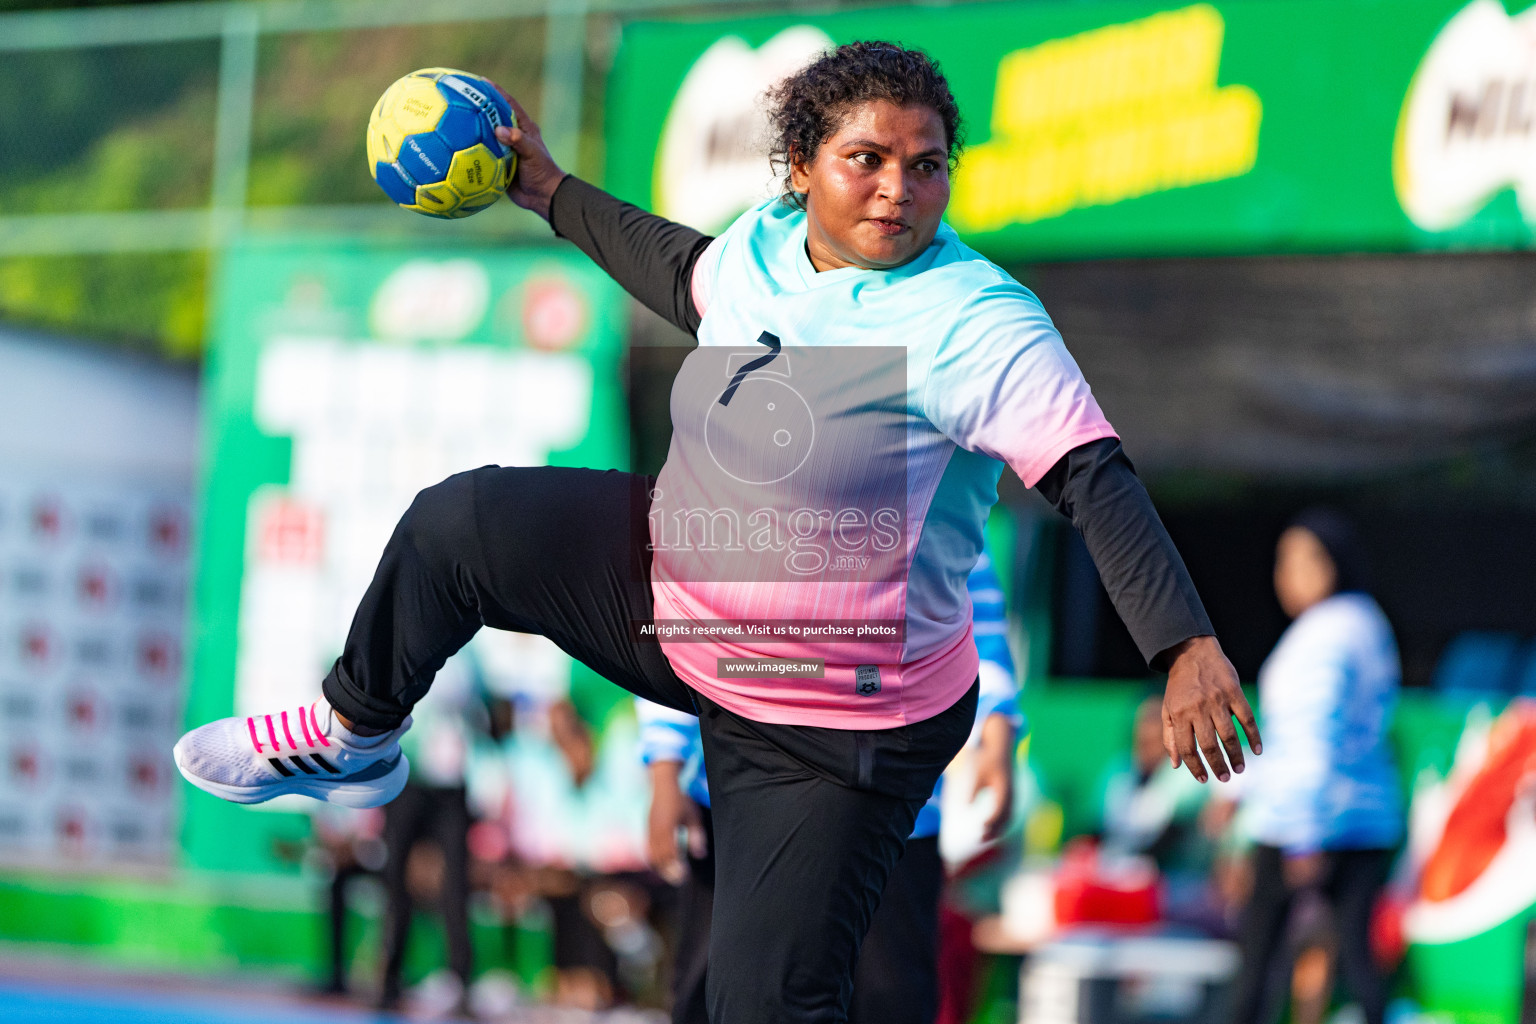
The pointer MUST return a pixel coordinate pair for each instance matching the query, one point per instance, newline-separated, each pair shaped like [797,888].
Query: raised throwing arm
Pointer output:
[651,257]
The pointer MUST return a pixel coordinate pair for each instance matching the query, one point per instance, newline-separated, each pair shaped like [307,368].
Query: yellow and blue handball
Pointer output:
[432,143]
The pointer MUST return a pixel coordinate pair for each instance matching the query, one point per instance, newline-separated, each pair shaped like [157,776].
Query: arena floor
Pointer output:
[62,990]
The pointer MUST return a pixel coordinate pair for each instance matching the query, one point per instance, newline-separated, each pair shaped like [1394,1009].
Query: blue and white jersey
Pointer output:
[1327,780]
[668,735]
[883,407]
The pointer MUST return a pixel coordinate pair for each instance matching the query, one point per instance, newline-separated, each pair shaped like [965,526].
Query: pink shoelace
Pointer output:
[307,720]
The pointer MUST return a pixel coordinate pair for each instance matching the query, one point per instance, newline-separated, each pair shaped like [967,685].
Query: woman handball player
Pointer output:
[861,380]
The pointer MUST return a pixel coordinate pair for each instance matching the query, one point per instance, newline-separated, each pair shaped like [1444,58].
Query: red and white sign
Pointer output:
[554,314]
[92,578]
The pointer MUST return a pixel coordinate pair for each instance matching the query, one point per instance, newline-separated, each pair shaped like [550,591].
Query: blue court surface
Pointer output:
[64,990]
[23,1002]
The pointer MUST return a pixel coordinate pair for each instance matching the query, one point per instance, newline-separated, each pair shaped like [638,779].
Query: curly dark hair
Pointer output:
[807,108]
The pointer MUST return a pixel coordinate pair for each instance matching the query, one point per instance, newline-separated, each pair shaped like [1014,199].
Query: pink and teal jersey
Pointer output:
[837,442]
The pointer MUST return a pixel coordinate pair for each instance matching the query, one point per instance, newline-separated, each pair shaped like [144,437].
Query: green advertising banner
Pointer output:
[341,380]
[1113,129]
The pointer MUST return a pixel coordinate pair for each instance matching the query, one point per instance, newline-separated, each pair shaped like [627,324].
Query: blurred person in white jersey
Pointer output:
[1324,808]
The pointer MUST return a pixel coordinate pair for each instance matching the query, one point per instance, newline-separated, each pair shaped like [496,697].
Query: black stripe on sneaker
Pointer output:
[306,769]
[378,769]
[282,769]
[323,763]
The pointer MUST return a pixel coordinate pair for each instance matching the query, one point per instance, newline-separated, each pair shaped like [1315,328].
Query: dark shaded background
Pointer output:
[1401,389]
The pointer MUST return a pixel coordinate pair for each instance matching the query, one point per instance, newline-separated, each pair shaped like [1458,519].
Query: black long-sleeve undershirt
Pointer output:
[1093,485]
[651,257]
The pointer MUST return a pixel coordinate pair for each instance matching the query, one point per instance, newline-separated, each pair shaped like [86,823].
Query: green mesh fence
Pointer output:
[140,139]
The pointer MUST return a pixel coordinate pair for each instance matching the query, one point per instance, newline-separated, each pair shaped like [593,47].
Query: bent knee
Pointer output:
[441,518]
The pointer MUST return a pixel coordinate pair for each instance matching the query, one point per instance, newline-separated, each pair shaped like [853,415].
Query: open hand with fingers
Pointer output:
[1202,698]
[537,176]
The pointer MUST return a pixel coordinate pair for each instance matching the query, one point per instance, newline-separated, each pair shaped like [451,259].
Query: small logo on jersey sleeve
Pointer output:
[866,680]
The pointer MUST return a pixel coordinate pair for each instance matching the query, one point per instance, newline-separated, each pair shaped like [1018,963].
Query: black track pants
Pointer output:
[1352,879]
[896,981]
[802,857]
[553,551]
[808,821]
[695,911]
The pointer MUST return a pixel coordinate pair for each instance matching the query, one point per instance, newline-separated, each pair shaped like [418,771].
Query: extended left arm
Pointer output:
[1096,487]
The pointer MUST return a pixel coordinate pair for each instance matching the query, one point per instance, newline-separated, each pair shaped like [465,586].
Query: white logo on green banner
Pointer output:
[1466,130]
[712,162]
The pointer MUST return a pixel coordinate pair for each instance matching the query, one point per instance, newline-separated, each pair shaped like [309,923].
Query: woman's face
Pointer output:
[876,190]
[1304,573]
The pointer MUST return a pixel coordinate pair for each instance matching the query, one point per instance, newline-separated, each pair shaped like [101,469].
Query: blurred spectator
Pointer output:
[1154,810]
[1151,808]
[345,848]
[571,824]
[606,950]
[586,965]
[434,807]
[573,739]
[351,849]
[1322,803]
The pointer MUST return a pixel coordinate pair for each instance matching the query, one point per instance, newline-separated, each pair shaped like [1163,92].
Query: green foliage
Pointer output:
[151,302]
[55,5]
[110,128]
[163,159]
[131,128]
[56,106]
[315,91]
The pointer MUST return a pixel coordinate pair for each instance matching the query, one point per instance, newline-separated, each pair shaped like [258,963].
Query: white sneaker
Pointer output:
[247,760]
